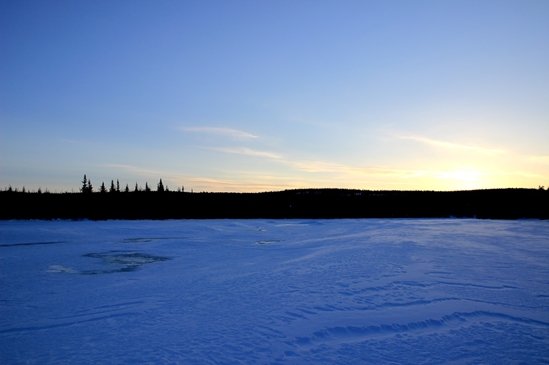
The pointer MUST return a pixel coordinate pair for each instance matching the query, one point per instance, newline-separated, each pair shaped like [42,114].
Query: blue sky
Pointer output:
[271,95]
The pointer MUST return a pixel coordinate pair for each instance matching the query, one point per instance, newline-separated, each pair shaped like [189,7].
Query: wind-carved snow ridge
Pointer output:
[275,292]
[352,334]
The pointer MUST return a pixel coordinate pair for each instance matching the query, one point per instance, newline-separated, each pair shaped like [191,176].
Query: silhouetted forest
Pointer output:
[114,202]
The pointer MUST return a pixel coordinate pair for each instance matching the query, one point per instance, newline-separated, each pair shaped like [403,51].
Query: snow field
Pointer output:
[274,292]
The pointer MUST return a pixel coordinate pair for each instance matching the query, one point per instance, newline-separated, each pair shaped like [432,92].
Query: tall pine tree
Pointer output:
[84,187]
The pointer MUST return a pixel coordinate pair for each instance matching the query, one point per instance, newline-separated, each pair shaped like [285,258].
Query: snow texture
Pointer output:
[374,291]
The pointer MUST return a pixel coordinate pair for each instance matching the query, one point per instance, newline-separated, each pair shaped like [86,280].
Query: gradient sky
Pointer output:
[269,95]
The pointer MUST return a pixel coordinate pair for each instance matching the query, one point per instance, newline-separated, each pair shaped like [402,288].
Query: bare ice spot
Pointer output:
[122,261]
[61,268]
[266,242]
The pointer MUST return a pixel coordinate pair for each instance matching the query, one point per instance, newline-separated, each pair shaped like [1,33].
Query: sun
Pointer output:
[462,179]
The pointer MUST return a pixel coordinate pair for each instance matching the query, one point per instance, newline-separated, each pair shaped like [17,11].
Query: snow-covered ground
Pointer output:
[274,291]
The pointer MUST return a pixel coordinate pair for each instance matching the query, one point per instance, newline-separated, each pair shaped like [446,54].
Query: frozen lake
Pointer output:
[274,291]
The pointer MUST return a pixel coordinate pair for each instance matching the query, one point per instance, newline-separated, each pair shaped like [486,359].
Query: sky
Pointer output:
[267,95]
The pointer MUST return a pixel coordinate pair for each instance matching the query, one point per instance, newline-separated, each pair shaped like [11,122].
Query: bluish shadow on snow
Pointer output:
[30,243]
[148,239]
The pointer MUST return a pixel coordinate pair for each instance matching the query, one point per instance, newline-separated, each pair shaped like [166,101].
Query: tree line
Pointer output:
[87,187]
[298,203]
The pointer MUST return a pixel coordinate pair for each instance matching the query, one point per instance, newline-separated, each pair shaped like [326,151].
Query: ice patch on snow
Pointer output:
[266,242]
[61,268]
[121,261]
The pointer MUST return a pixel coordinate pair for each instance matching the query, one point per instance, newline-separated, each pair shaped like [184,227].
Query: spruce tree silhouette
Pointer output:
[84,188]
[127,189]
[160,187]
[103,189]
[136,188]
[86,185]
[147,189]
[112,189]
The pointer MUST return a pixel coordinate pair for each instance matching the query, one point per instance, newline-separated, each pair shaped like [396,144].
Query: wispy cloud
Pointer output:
[231,185]
[324,167]
[146,174]
[320,166]
[437,143]
[220,131]
[245,151]
[349,171]
[542,159]
[137,170]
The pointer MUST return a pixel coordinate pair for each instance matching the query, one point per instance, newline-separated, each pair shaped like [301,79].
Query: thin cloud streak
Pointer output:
[320,166]
[229,185]
[351,172]
[452,145]
[245,151]
[146,174]
[542,159]
[221,131]
[136,170]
